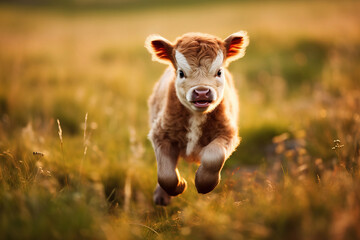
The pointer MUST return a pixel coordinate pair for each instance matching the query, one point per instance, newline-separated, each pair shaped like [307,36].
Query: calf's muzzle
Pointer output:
[202,97]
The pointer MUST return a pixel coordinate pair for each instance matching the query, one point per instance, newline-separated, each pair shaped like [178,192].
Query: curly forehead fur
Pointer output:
[199,49]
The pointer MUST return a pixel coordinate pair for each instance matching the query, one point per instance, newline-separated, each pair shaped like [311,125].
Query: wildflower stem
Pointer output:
[85,147]
[62,150]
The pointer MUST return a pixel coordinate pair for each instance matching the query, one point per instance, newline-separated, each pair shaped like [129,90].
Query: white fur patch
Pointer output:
[194,133]
[182,62]
[217,63]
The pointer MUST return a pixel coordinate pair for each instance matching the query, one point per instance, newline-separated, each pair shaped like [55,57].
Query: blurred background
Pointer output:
[74,83]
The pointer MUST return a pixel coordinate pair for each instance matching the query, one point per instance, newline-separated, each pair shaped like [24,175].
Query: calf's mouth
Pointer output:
[202,103]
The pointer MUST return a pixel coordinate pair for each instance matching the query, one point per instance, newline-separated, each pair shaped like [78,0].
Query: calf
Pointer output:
[193,109]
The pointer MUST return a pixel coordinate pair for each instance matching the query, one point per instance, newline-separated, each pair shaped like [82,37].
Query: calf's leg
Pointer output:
[161,197]
[169,179]
[213,157]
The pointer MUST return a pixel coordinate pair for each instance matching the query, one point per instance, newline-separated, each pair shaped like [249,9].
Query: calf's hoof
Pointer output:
[173,188]
[205,181]
[161,197]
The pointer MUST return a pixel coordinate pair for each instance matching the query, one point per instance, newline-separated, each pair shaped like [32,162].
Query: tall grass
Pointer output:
[75,162]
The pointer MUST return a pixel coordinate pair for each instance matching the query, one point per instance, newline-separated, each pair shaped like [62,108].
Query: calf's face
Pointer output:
[199,61]
[200,88]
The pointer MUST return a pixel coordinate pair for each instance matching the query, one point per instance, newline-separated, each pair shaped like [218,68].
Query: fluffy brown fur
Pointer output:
[180,128]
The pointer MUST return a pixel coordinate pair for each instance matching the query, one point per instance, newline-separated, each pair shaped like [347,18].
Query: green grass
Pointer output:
[299,91]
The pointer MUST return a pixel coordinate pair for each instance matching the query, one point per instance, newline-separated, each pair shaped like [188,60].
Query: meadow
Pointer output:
[75,162]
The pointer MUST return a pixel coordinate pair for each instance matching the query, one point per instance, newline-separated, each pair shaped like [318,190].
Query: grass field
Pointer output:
[75,162]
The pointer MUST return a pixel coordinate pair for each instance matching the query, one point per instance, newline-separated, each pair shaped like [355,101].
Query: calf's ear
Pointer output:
[160,48]
[235,46]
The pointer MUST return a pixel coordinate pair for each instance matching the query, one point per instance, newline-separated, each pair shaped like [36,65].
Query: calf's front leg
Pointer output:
[212,157]
[169,178]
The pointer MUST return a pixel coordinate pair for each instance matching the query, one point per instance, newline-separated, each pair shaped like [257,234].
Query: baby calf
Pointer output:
[193,109]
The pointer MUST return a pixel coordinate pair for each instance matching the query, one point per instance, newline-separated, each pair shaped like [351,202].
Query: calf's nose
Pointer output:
[201,93]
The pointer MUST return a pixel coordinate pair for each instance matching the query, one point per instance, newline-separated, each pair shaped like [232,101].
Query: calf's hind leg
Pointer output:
[161,197]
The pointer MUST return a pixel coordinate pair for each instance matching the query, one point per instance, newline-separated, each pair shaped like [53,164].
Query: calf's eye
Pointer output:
[219,73]
[181,74]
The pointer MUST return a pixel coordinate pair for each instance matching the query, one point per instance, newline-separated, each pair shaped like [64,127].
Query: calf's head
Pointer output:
[199,61]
